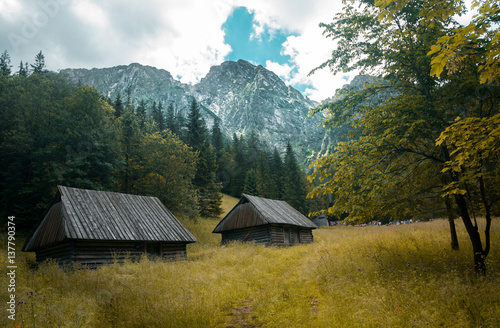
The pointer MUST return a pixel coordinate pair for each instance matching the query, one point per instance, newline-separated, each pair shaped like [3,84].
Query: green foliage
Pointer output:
[52,133]
[170,121]
[197,130]
[39,66]
[141,114]
[251,184]
[5,66]
[217,138]
[294,191]
[118,105]
[23,69]
[390,159]
[88,144]
[165,168]
[205,177]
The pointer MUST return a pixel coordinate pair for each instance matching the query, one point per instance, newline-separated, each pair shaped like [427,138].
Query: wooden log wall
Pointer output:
[97,253]
[62,253]
[277,235]
[173,251]
[259,234]
[306,236]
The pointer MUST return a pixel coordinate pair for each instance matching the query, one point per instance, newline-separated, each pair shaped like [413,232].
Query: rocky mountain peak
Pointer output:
[243,96]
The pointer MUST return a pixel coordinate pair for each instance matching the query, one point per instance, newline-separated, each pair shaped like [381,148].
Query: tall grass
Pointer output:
[397,276]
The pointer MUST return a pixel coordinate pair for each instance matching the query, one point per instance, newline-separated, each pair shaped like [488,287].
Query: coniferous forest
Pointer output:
[54,132]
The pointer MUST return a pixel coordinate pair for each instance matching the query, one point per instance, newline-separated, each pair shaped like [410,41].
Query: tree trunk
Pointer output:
[475,238]
[487,211]
[472,230]
[451,219]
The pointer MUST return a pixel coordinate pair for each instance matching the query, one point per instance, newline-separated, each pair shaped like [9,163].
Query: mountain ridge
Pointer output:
[245,98]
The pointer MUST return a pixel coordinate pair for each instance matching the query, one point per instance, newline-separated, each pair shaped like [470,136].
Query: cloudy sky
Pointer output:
[184,37]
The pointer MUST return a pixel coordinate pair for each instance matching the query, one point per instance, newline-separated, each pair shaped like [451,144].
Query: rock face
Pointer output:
[243,96]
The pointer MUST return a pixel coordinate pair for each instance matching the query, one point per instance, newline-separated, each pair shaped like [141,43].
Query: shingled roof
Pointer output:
[106,216]
[266,211]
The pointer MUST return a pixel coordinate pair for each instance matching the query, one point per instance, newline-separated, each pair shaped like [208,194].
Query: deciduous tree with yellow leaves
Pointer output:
[406,150]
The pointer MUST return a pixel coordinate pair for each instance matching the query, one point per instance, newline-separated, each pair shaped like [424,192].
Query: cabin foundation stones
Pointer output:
[265,221]
[91,228]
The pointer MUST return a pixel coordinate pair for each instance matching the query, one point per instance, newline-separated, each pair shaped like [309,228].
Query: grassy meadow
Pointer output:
[396,276]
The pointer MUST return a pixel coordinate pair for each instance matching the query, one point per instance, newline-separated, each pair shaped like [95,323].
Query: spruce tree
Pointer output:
[154,112]
[39,66]
[217,139]
[141,113]
[118,105]
[197,131]
[23,69]
[210,198]
[181,125]
[251,184]
[170,120]
[266,185]
[277,174]
[294,191]
[5,64]
[159,117]
[130,139]
[252,150]
[205,178]
[240,166]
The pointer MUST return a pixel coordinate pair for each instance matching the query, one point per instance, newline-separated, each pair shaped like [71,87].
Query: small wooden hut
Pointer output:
[92,227]
[265,221]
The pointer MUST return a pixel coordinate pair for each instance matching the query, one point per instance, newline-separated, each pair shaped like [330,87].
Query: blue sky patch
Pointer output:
[239,28]
[240,35]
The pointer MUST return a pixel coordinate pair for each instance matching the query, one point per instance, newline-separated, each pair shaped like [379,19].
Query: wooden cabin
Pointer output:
[91,228]
[265,221]
[323,220]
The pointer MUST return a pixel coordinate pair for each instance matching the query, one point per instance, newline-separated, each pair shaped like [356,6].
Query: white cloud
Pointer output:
[191,43]
[91,14]
[283,71]
[9,9]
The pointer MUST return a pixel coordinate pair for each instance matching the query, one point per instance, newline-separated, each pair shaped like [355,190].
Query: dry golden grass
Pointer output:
[398,276]
[228,202]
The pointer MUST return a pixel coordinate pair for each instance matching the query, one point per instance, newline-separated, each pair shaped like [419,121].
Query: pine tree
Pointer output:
[129,93]
[294,188]
[159,117]
[154,113]
[205,178]
[251,184]
[277,174]
[130,137]
[240,168]
[210,198]
[197,131]
[141,114]
[39,66]
[118,105]
[23,69]
[181,125]
[170,120]
[5,64]
[266,185]
[252,150]
[217,139]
